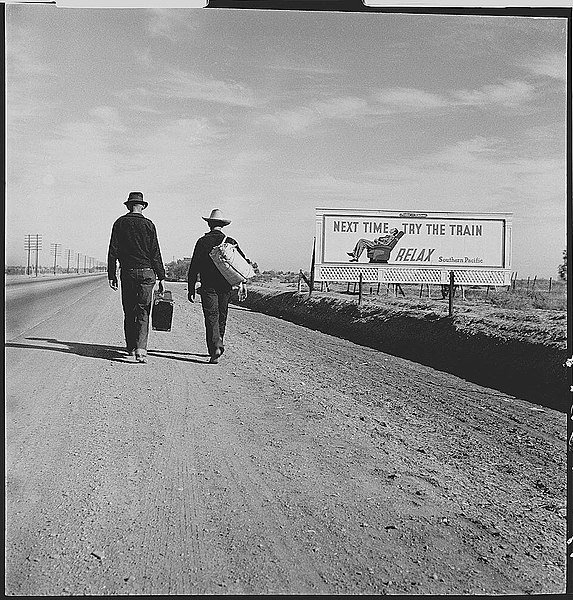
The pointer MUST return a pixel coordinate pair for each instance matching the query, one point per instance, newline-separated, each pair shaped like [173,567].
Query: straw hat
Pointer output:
[216,216]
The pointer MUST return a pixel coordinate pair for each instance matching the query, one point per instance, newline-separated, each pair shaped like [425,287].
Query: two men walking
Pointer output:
[135,245]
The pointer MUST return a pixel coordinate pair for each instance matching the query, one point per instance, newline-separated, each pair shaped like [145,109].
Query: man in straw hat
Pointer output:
[215,289]
[134,244]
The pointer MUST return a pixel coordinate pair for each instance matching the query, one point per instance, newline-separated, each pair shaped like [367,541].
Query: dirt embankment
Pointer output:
[514,354]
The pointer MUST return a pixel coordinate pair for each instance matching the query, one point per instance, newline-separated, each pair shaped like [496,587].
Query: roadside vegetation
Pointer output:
[523,295]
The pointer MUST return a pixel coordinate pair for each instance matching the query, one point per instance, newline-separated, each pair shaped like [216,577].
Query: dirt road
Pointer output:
[300,464]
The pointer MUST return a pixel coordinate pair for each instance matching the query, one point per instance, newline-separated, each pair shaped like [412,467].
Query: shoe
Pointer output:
[350,254]
[215,358]
[353,260]
[140,356]
[130,351]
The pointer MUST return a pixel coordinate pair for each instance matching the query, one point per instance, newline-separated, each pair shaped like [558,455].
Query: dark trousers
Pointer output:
[215,305]
[136,296]
[361,245]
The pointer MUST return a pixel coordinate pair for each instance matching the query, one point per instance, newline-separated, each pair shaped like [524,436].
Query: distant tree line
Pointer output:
[14,270]
[283,276]
[177,270]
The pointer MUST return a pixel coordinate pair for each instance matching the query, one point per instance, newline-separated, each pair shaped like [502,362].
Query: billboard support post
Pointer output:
[451,296]
[311,285]
[360,289]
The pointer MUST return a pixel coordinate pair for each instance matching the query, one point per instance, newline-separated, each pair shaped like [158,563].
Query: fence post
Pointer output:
[451,296]
[360,289]
[550,285]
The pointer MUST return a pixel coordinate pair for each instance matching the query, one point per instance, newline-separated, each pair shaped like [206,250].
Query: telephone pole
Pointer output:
[30,243]
[36,244]
[68,254]
[56,249]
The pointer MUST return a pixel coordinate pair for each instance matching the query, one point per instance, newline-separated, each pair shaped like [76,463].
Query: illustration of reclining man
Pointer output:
[378,250]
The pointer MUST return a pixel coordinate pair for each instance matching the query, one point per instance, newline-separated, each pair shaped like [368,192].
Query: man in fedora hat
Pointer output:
[134,244]
[215,289]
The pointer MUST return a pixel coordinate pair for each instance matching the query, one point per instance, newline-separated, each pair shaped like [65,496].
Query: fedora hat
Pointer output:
[216,215]
[136,198]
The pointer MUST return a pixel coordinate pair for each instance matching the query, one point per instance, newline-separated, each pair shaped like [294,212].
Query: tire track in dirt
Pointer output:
[239,484]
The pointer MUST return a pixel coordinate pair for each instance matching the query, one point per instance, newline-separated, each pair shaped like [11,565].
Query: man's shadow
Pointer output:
[106,352]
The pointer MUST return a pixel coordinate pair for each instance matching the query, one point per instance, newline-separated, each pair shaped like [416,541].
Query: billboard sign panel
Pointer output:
[450,240]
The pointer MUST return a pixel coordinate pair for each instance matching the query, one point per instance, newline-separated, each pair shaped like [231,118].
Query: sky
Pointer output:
[268,115]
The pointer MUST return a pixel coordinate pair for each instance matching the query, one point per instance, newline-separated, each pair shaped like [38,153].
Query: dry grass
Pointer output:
[519,312]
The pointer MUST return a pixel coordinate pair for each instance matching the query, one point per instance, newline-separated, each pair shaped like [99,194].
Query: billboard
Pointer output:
[413,240]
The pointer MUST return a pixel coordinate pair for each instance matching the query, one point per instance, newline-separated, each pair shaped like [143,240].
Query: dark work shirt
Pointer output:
[203,265]
[134,243]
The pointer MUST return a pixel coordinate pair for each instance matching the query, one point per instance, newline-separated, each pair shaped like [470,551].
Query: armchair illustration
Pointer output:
[380,253]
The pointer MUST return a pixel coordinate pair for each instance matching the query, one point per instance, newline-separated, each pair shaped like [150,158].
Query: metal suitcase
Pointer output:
[162,311]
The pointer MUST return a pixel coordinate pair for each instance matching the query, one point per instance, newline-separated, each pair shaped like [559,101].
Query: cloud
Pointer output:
[287,122]
[144,109]
[304,69]
[301,119]
[341,108]
[477,174]
[407,100]
[553,65]
[164,23]
[27,75]
[331,188]
[192,85]
[396,101]
[101,152]
[109,117]
[508,94]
